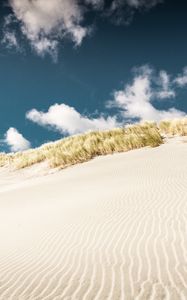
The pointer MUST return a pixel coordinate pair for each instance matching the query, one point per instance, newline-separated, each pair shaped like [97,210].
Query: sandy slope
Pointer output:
[112,228]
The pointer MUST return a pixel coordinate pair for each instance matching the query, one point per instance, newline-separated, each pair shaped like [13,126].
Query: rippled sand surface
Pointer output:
[112,228]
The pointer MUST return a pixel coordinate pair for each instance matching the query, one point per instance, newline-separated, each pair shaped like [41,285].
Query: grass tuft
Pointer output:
[174,127]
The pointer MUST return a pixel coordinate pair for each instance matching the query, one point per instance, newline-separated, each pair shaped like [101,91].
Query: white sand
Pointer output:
[112,228]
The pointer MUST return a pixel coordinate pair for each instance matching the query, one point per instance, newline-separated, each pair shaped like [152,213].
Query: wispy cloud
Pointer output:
[10,39]
[46,23]
[167,90]
[15,140]
[67,120]
[122,11]
[181,79]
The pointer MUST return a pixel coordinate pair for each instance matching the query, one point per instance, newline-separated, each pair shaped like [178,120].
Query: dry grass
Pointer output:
[174,127]
[81,148]
[3,159]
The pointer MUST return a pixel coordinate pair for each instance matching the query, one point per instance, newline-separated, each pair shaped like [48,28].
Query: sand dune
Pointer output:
[112,228]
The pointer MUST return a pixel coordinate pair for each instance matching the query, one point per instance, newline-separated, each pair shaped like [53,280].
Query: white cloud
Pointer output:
[135,100]
[47,22]
[15,140]
[44,22]
[67,120]
[181,79]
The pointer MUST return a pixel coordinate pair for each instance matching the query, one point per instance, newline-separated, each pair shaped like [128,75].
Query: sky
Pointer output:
[70,66]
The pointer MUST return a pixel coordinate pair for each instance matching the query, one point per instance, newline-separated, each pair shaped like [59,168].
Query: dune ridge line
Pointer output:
[83,147]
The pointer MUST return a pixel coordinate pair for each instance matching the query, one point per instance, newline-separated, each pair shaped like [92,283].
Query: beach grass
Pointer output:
[174,127]
[83,147]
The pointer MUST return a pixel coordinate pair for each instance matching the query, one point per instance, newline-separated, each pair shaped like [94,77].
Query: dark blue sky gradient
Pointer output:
[85,77]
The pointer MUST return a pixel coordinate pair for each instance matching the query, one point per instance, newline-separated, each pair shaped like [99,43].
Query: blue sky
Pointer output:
[68,67]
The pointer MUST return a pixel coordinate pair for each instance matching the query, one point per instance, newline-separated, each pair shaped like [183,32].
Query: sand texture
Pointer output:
[112,228]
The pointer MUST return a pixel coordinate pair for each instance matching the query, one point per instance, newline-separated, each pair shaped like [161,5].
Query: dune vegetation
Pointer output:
[174,127]
[81,148]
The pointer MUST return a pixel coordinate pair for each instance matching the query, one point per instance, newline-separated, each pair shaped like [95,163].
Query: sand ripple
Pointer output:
[112,228]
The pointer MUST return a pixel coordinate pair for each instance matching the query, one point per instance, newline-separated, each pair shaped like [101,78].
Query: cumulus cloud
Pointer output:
[181,79]
[67,120]
[135,101]
[15,140]
[47,22]
[44,22]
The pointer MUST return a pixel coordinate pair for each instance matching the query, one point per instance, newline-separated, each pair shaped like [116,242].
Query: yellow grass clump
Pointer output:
[81,148]
[174,127]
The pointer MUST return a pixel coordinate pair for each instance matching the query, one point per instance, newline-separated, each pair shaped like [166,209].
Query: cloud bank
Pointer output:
[46,23]
[15,140]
